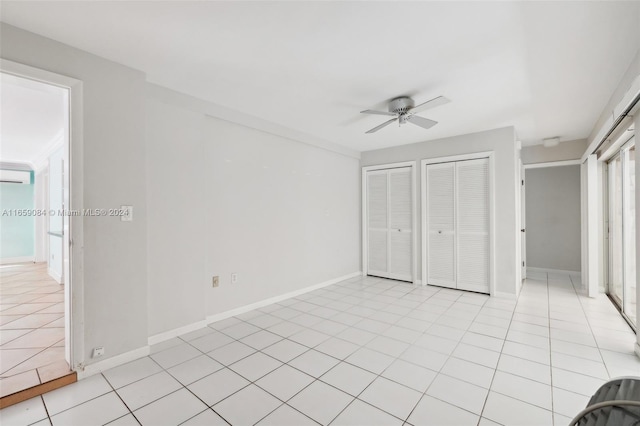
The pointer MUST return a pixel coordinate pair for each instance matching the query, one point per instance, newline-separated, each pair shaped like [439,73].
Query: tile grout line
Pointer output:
[120,398]
[440,370]
[378,297]
[46,410]
[553,418]
[500,356]
[590,327]
[385,369]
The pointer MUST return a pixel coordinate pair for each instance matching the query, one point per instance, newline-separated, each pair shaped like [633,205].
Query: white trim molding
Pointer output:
[41,159]
[461,157]
[551,271]
[414,214]
[74,307]
[276,299]
[576,162]
[220,112]
[56,276]
[627,105]
[505,295]
[170,334]
[161,337]
[85,371]
[492,208]
[22,259]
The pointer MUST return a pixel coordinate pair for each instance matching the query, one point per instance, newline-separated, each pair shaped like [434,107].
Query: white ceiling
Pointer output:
[548,68]
[32,118]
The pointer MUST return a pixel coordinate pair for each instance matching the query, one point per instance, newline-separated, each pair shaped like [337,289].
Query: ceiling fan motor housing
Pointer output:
[401,105]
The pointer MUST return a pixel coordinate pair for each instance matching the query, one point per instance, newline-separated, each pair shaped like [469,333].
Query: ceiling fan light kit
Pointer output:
[403,109]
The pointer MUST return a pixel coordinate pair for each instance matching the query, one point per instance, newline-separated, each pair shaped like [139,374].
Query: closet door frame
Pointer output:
[414,214]
[423,209]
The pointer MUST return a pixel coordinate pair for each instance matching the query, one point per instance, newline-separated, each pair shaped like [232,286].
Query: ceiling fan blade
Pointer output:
[370,111]
[386,123]
[425,123]
[440,100]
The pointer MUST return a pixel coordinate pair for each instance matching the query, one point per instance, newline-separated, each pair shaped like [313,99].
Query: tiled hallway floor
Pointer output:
[31,327]
[367,351]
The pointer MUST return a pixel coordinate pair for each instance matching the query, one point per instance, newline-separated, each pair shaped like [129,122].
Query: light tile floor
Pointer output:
[31,327]
[367,351]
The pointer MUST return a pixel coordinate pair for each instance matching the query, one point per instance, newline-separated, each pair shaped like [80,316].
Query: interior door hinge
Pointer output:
[523,264]
[522,182]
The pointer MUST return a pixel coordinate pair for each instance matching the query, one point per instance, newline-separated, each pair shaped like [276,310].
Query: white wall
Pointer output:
[56,256]
[627,80]
[280,231]
[553,217]
[115,255]
[283,215]
[569,150]
[224,198]
[502,143]
[41,203]
[177,217]
[593,273]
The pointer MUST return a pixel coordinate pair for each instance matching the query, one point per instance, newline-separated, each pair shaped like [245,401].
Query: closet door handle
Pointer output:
[439,232]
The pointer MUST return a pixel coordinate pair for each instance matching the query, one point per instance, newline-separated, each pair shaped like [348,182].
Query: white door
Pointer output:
[441,259]
[458,215]
[389,223]
[377,222]
[472,225]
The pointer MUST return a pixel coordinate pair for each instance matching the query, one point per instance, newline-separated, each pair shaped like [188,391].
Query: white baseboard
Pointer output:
[100,366]
[276,299]
[552,271]
[10,260]
[161,337]
[504,295]
[53,274]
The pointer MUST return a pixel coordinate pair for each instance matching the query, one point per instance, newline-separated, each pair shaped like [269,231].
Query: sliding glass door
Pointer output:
[622,228]
[629,213]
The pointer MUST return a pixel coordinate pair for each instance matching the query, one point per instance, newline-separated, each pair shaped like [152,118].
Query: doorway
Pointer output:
[34,249]
[621,276]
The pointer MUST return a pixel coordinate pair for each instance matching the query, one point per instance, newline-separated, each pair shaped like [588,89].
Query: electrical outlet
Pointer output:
[97,352]
[234,278]
[216,281]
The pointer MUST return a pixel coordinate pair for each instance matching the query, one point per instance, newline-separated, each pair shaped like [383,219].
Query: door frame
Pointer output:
[414,213]
[523,221]
[423,208]
[74,309]
[627,142]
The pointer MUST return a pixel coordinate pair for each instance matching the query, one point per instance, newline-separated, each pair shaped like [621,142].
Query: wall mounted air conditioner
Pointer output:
[15,176]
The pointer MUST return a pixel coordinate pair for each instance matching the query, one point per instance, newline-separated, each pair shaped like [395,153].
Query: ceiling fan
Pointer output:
[403,110]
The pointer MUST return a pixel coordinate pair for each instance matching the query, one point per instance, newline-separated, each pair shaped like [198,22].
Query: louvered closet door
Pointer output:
[377,222]
[389,223]
[400,224]
[441,225]
[472,230]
